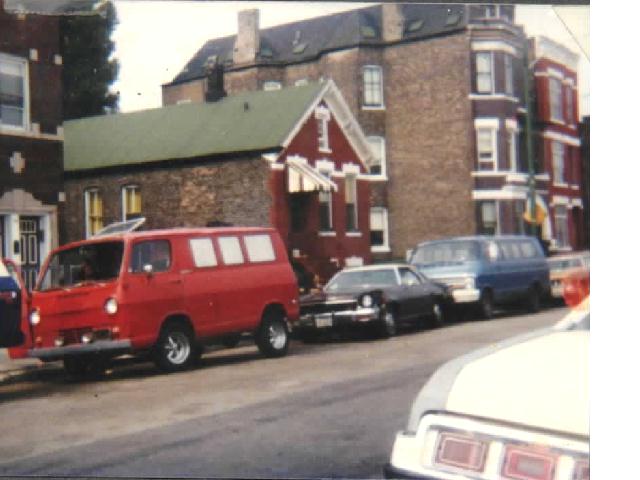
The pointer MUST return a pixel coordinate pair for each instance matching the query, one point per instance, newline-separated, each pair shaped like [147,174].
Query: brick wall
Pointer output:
[235,191]
[430,143]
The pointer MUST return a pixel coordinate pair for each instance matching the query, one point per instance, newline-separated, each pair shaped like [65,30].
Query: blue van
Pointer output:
[10,307]
[483,271]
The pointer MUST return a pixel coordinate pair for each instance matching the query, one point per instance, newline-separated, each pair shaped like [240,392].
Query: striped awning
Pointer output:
[304,178]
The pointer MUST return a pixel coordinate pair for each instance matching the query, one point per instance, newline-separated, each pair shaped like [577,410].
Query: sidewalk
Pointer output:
[12,368]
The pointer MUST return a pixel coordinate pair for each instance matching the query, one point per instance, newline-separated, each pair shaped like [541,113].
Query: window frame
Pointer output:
[508,75]
[123,198]
[512,148]
[351,190]
[87,211]
[374,86]
[496,209]
[561,226]
[569,105]
[23,65]
[385,229]
[378,144]
[491,72]
[494,149]
[558,162]
[556,107]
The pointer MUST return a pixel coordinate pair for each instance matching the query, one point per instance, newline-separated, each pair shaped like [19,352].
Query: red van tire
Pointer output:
[272,336]
[175,349]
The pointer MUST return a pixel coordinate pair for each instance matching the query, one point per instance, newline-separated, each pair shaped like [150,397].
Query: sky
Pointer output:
[155,39]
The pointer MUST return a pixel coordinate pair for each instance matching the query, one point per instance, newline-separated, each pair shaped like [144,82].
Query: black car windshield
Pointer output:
[362,278]
[447,252]
[93,262]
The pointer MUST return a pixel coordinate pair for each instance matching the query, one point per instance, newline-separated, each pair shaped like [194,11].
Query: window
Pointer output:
[94,220]
[562,226]
[408,278]
[558,162]
[555,99]
[131,202]
[259,248]
[14,90]
[489,218]
[486,148]
[379,226]
[378,162]
[519,209]
[156,253]
[322,118]
[231,251]
[569,96]
[351,201]
[372,76]
[202,252]
[512,149]
[271,85]
[528,249]
[484,72]
[508,74]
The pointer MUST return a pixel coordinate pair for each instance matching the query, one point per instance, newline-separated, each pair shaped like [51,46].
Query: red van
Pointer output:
[163,292]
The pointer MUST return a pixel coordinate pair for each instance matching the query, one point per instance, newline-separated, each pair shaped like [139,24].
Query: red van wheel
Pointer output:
[272,337]
[175,349]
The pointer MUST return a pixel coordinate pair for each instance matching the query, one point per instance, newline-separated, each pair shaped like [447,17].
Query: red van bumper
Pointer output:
[110,347]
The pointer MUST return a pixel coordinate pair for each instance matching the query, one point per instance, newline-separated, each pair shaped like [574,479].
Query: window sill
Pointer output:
[325,150]
[326,234]
[561,185]
[354,234]
[381,249]
[374,107]
[373,177]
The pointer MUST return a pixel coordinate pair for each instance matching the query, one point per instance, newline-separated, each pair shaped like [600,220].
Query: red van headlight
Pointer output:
[111,306]
[34,317]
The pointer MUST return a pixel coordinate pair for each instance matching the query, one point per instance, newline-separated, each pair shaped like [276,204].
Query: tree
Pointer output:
[89,69]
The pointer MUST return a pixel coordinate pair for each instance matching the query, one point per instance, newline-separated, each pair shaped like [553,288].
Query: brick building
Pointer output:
[438,91]
[31,186]
[294,158]
[558,142]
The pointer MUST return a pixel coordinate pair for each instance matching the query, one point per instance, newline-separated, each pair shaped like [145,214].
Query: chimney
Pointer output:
[392,22]
[248,39]
[214,83]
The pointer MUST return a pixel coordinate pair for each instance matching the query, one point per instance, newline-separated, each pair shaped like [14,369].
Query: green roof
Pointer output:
[249,122]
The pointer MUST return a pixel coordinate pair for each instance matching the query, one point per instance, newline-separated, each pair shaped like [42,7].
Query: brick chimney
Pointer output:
[392,22]
[248,39]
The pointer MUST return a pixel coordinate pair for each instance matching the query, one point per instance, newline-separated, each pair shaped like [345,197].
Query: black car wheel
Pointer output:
[387,326]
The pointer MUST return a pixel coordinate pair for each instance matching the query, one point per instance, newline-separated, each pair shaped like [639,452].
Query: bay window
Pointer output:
[484,72]
[13,92]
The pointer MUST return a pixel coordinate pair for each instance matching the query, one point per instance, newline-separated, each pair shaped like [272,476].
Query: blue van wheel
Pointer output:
[485,305]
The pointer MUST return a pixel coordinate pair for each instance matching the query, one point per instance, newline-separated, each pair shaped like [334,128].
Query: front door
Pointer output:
[30,249]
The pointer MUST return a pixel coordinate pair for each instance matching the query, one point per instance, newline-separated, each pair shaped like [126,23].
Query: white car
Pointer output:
[518,409]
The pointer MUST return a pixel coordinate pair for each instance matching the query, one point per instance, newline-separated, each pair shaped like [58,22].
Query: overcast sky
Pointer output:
[155,39]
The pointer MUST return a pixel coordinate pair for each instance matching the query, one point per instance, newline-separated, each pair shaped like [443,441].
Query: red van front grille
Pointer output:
[73,335]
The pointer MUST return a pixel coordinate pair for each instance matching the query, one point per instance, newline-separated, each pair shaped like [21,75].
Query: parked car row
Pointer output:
[169,293]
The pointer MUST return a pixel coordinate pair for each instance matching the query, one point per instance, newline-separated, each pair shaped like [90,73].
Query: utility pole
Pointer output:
[529,141]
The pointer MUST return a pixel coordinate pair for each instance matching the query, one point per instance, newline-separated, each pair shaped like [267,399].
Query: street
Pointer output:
[329,409]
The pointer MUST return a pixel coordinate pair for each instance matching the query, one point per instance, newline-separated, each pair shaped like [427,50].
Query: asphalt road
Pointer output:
[326,410]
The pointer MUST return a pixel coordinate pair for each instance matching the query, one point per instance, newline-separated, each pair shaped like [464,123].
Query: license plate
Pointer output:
[324,321]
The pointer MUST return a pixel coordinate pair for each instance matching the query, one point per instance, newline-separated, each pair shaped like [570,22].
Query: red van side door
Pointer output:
[152,287]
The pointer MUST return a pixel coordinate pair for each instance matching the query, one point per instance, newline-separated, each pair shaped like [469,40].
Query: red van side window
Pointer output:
[231,251]
[202,252]
[156,253]
[259,248]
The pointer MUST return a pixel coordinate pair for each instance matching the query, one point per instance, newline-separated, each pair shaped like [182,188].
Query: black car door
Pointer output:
[416,300]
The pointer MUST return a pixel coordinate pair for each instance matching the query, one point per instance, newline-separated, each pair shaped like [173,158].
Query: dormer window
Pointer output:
[323,116]
[14,87]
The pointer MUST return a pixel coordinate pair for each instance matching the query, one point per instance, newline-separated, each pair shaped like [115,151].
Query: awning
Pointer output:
[304,178]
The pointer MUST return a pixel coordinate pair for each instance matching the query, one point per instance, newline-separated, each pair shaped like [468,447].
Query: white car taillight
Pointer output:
[461,451]
[34,317]
[522,463]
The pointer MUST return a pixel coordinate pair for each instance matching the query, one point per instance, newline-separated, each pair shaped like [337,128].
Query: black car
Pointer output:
[377,297]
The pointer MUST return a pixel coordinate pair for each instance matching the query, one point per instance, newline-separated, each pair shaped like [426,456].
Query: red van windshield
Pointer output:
[92,262]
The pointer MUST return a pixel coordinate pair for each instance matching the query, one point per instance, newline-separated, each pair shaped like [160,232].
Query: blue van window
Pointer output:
[454,251]
[528,249]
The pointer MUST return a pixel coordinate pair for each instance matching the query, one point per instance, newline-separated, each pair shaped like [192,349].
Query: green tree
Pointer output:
[89,69]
